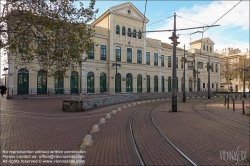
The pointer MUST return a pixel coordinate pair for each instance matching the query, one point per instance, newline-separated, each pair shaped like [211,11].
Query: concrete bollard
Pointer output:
[113,112]
[108,116]
[134,104]
[119,109]
[139,103]
[87,140]
[102,121]
[124,107]
[143,102]
[95,129]
[129,105]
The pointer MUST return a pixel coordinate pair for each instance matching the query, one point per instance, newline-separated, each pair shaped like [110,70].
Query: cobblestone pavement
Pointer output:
[40,124]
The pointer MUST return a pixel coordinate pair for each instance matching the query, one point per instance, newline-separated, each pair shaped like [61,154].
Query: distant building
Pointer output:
[233,55]
[145,63]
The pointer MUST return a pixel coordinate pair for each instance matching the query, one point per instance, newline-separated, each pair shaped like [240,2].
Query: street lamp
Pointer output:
[174,85]
[184,61]
[208,69]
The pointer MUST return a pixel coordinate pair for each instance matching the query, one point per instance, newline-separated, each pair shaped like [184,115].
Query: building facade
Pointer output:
[124,60]
[231,58]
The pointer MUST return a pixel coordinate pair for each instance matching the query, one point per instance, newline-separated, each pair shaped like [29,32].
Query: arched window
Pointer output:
[129,32]
[23,81]
[134,33]
[139,83]
[102,83]
[117,29]
[139,35]
[129,82]
[74,82]
[162,84]
[123,31]
[155,83]
[90,83]
[148,83]
[41,82]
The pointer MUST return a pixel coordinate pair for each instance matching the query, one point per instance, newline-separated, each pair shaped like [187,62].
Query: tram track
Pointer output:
[152,147]
[228,122]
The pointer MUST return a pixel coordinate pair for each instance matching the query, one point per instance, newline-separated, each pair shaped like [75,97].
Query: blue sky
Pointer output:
[233,32]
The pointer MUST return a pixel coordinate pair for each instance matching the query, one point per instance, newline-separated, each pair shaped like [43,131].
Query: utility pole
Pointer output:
[208,68]
[244,79]
[184,60]
[174,86]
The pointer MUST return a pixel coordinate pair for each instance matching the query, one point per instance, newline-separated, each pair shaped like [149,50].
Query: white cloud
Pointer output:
[233,24]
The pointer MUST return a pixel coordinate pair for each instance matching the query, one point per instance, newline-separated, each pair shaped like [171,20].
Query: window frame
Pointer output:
[117,30]
[147,58]
[139,56]
[169,62]
[129,56]
[91,54]
[156,59]
[103,56]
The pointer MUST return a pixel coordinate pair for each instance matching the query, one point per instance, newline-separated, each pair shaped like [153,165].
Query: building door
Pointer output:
[90,83]
[155,83]
[58,83]
[148,83]
[129,82]
[74,82]
[139,83]
[23,81]
[118,83]
[190,85]
[169,84]
[102,83]
[42,82]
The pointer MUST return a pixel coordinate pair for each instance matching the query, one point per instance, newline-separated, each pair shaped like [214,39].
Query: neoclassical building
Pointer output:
[125,60]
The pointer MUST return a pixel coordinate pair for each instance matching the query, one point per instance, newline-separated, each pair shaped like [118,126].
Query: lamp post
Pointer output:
[208,69]
[184,61]
[174,85]
[244,80]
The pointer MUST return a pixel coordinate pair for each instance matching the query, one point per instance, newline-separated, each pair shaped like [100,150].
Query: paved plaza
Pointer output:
[38,132]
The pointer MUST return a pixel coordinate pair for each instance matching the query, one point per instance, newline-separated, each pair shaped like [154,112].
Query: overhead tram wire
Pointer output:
[223,15]
[191,20]
[144,14]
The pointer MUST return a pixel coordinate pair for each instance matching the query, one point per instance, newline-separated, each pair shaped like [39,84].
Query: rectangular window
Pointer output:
[169,61]
[212,67]
[212,85]
[191,65]
[23,43]
[155,59]
[148,58]
[200,65]
[103,52]
[129,54]
[182,64]
[162,60]
[139,56]
[216,67]
[176,62]
[58,48]
[204,85]
[91,52]
[118,54]
[42,46]
[74,50]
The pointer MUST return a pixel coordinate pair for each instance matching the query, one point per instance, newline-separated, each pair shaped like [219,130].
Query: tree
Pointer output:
[52,33]
[227,70]
[243,63]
